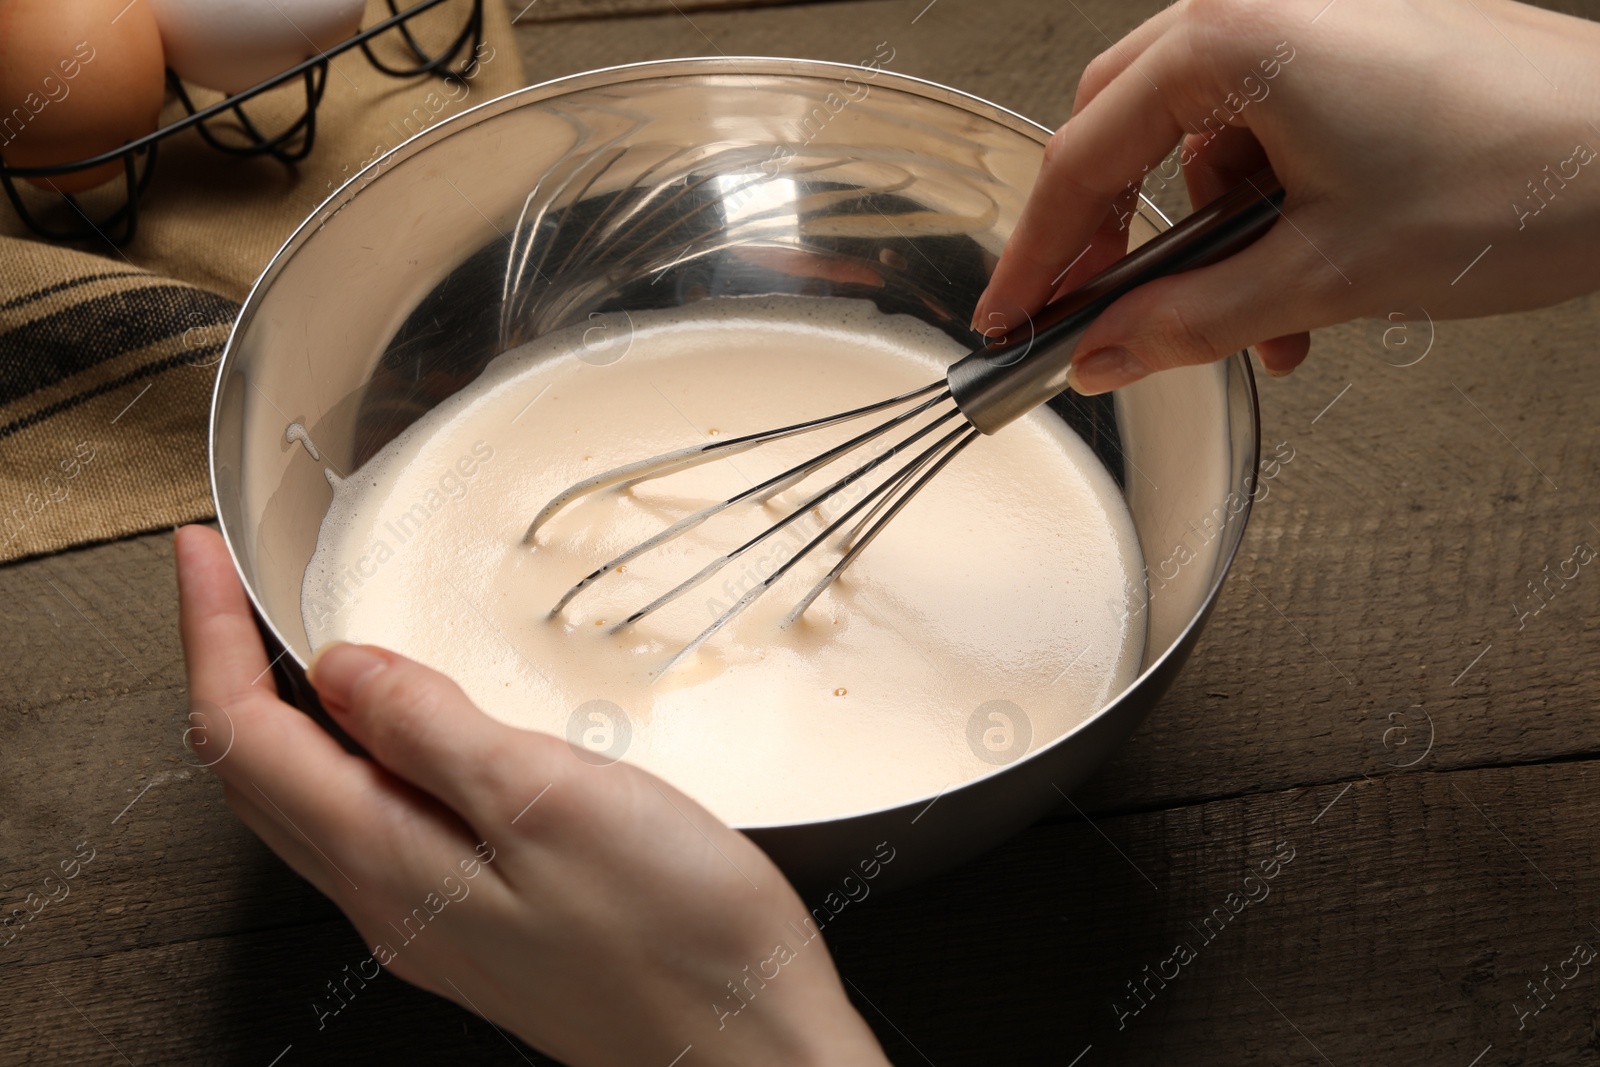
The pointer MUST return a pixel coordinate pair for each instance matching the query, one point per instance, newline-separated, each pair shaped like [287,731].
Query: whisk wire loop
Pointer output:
[801,509]
[855,543]
[631,474]
[961,435]
[772,486]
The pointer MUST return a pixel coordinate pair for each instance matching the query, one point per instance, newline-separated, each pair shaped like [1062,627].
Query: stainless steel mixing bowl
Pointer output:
[662,184]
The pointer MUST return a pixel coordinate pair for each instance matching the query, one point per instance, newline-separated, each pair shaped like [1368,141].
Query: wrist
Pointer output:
[812,1025]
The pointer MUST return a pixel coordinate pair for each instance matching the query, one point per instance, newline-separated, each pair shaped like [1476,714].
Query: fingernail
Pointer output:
[336,669]
[1103,370]
[1277,373]
[993,325]
[977,312]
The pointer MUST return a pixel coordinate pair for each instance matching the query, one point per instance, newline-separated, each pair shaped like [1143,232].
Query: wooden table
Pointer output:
[1373,696]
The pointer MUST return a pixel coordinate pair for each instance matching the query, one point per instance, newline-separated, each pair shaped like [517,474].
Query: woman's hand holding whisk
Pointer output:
[1434,154]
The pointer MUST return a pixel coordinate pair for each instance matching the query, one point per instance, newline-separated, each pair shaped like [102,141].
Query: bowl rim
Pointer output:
[700,66]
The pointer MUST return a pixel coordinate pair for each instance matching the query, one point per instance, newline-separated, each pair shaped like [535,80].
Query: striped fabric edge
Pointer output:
[105,383]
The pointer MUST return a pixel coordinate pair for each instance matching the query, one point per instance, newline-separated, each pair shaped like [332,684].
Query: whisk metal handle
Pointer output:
[1012,375]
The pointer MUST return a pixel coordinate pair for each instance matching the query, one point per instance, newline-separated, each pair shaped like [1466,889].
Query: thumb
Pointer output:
[420,725]
[1270,291]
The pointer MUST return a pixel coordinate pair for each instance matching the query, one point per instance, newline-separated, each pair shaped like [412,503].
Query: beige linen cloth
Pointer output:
[107,355]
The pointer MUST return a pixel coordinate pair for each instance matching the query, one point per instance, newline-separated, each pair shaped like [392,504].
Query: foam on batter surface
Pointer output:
[1007,579]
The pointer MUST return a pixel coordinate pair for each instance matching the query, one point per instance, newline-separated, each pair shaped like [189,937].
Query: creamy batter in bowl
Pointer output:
[1009,586]
[594,210]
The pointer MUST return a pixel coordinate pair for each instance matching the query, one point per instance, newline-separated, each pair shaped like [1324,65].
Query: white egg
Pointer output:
[230,45]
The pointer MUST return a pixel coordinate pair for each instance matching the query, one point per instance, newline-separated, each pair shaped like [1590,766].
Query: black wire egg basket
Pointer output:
[245,138]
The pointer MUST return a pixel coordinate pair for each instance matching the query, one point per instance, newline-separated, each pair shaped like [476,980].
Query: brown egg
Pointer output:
[77,78]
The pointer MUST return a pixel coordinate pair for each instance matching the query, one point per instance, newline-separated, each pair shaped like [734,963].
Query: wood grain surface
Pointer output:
[1365,696]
